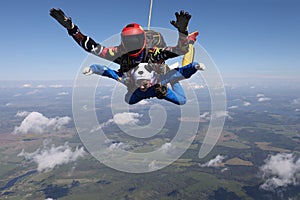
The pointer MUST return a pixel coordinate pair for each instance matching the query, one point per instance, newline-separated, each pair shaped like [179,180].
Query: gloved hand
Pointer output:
[60,16]
[160,91]
[182,21]
[87,71]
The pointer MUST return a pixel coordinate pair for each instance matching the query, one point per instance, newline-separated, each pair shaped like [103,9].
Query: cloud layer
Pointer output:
[36,122]
[280,170]
[48,158]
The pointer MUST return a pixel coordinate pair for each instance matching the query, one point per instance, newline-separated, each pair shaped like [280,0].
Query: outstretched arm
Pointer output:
[86,42]
[181,24]
[161,54]
[182,47]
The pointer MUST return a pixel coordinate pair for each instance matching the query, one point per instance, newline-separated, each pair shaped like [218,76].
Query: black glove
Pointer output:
[182,21]
[160,91]
[60,16]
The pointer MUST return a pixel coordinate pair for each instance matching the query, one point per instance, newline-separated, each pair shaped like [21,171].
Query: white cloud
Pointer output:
[195,86]
[232,107]
[70,173]
[280,170]
[296,101]
[297,110]
[48,158]
[126,118]
[153,166]
[36,122]
[102,125]
[22,114]
[260,95]
[62,93]
[106,123]
[224,169]
[32,92]
[246,103]
[143,102]
[106,97]
[26,85]
[56,86]
[215,162]
[8,104]
[262,99]
[41,86]
[115,146]
[218,114]
[17,95]
[165,147]
[204,115]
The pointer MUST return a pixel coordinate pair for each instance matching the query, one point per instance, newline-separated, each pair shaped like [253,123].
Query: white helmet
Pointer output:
[144,73]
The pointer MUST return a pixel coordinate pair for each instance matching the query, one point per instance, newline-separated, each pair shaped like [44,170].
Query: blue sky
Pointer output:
[243,37]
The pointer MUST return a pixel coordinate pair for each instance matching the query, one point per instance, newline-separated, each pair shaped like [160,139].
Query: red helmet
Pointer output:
[133,39]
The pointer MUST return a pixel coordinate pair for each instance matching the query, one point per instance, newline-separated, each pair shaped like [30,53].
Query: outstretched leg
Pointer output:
[176,94]
[181,73]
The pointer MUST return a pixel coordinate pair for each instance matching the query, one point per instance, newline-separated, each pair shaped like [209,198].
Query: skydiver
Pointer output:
[144,81]
[132,51]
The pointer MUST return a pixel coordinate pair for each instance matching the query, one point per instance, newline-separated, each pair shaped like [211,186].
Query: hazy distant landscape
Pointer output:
[256,157]
[252,45]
